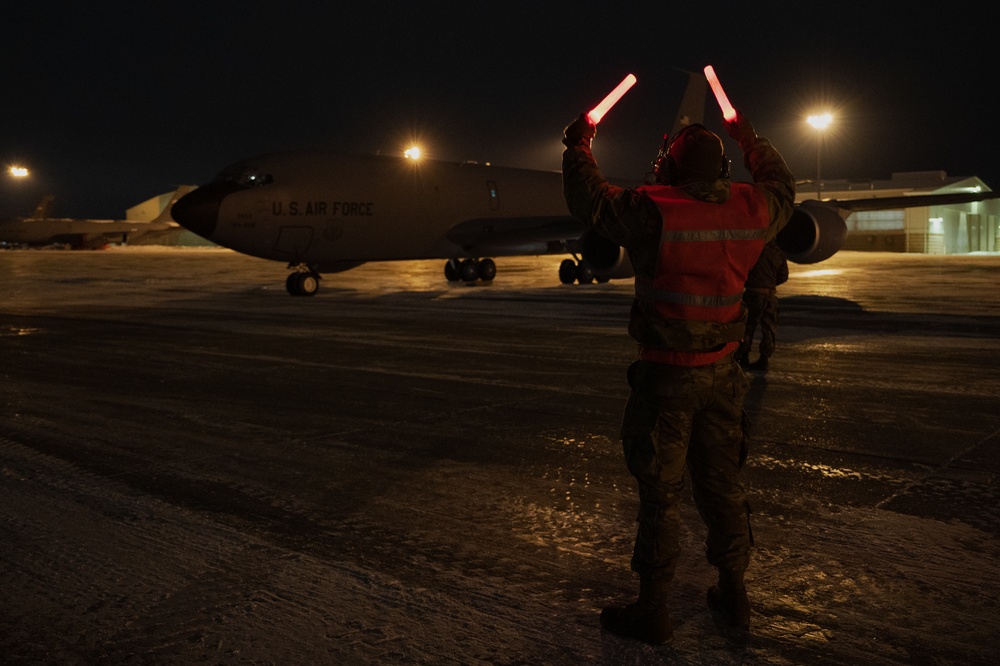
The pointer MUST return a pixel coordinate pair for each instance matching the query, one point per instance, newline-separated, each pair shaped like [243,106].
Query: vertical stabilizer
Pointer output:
[42,209]
[165,214]
[692,108]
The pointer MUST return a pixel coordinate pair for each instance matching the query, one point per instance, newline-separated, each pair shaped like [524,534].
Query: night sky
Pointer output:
[111,103]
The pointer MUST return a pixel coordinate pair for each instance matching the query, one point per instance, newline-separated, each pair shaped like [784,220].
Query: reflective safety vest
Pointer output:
[706,251]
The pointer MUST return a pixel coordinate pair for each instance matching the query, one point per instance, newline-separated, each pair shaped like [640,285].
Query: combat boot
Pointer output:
[647,620]
[729,602]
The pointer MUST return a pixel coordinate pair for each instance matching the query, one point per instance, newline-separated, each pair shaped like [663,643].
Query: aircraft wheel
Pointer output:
[487,270]
[302,284]
[584,274]
[567,271]
[469,270]
[451,270]
[309,284]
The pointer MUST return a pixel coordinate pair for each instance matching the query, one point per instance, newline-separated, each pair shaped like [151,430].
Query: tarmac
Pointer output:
[198,468]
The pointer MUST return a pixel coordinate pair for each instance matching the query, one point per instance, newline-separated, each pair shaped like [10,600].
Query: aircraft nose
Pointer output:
[199,210]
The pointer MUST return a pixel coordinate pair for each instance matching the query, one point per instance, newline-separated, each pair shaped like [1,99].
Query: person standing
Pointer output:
[692,238]
[761,301]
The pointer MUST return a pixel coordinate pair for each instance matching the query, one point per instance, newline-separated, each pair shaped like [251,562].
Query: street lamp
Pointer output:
[12,192]
[820,122]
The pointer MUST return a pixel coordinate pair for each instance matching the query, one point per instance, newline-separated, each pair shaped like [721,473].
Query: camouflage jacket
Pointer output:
[770,270]
[629,217]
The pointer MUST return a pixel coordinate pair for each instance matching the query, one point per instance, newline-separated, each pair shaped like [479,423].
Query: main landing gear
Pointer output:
[470,270]
[303,282]
[571,271]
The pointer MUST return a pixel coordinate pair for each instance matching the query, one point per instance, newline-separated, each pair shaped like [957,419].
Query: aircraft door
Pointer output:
[974,225]
[494,194]
[294,241]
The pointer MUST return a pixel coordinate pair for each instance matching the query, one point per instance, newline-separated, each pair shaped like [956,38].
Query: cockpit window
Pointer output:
[255,179]
[246,178]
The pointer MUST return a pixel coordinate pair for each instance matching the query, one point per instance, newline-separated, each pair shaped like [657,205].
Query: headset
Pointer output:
[665,169]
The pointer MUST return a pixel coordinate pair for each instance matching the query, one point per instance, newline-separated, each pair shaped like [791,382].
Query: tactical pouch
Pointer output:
[695,336]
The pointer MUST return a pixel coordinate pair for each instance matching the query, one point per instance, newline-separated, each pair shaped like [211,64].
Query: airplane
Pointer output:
[42,230]
[325,213]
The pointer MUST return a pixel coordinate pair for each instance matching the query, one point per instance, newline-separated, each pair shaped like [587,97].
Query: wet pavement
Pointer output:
[199,468]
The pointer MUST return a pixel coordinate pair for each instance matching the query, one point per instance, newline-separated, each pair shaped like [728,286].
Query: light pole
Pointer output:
[17,174]
[820,122]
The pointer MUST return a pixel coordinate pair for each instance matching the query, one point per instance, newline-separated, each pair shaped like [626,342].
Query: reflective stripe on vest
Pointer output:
[644,290]
[706,251]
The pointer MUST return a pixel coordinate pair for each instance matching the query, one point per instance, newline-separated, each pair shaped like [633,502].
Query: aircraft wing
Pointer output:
[888,203]
[517,235]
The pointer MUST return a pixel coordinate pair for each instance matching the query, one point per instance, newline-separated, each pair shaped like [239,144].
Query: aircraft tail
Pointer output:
[692,108]
[164,218]
[42,209]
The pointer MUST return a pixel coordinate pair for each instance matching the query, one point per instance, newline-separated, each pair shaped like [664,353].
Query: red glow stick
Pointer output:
[728,112]
[598,111]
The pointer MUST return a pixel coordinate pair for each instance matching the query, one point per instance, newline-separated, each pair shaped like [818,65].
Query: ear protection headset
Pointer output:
[665,167]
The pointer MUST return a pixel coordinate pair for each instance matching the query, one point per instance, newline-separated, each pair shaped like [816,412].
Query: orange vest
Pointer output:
[706,252]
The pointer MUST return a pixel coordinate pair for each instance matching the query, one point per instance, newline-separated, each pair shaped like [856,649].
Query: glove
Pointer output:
[580,131]
[740,129]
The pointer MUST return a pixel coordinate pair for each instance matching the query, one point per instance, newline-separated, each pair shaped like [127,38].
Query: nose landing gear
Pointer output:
[303,282]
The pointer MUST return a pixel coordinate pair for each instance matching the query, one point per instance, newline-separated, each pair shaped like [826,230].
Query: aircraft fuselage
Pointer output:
[74,232]
[333,211]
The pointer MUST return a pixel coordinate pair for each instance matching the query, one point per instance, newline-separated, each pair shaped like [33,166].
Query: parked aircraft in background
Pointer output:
[41,230]
[324,213]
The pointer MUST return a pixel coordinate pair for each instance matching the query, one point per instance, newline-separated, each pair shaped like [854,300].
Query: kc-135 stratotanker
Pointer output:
[322,212]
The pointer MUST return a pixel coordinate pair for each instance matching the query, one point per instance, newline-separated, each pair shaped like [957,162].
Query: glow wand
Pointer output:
[728,112]
[598,111]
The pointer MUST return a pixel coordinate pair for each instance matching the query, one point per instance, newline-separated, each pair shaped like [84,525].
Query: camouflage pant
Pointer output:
[761,309]
[677,418]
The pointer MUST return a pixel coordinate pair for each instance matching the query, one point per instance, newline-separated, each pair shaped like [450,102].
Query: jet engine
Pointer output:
[606,258]
[815,232]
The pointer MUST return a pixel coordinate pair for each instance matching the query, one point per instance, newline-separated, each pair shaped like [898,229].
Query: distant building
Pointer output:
[948,229]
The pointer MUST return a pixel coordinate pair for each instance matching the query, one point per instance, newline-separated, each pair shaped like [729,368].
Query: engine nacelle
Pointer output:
[815,232]
[606,258]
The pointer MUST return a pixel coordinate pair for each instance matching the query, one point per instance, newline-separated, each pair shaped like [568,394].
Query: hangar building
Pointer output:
[946,229]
